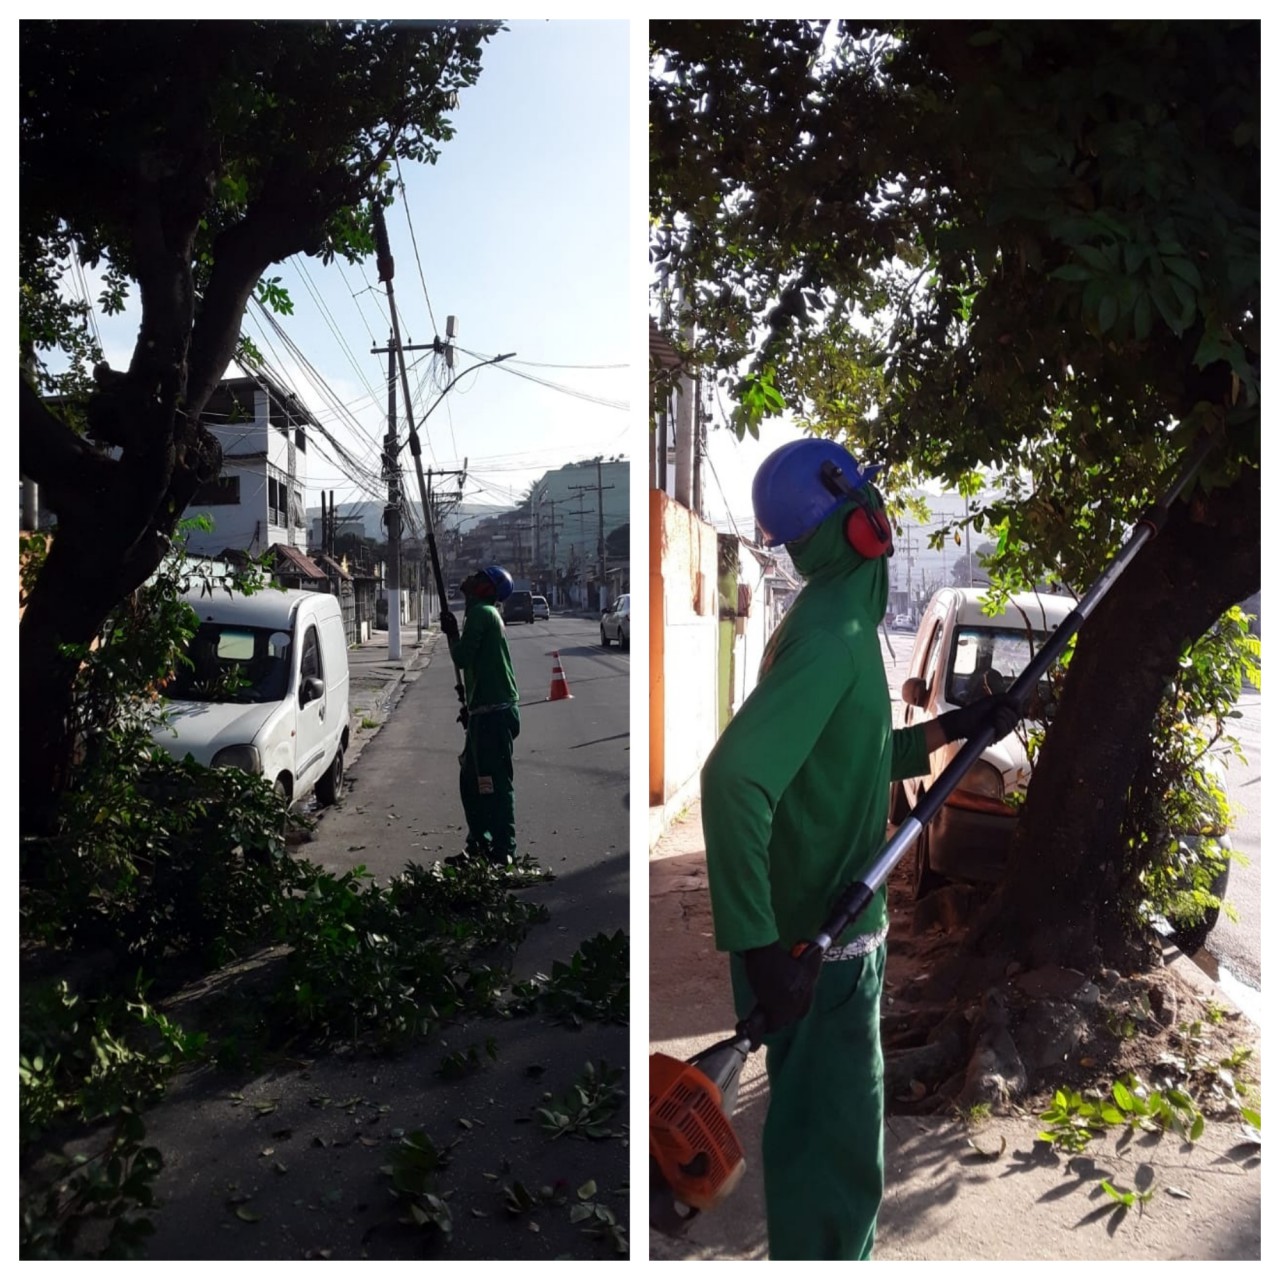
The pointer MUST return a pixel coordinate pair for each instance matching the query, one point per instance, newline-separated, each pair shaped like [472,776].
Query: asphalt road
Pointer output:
[1233,947]
[1237,946]
[572,765]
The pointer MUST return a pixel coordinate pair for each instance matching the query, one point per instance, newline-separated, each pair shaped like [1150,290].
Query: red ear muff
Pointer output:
[869,533]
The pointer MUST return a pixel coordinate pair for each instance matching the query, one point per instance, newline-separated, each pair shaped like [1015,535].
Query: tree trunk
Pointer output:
[90,568]
[1060,901]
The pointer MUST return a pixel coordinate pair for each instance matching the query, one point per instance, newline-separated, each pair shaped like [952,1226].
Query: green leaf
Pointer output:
[1126,1198]
[1072,272]
[1186,270]
[1107,310]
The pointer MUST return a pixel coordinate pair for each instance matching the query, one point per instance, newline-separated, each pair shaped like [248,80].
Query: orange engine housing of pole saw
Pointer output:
[690,1137]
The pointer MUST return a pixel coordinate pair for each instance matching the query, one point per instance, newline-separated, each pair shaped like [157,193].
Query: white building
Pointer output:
[259,499]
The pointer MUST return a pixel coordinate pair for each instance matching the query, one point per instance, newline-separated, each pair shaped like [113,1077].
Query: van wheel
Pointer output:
[329,787]
[926,879]
[898,806]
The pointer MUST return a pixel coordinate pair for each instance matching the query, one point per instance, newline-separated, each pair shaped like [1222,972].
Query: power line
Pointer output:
[322,386]
[540,364]
[404,195]
[623,405]
[327,316]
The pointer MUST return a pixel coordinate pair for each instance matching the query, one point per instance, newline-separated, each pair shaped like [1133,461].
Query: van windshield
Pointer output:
[226,663]
[987,660]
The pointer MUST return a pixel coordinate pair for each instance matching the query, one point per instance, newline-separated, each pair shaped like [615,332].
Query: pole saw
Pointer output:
[386,270]
[695,1157]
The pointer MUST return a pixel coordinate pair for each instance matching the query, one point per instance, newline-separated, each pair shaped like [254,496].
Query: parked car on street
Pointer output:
[902,622]
[265,689]
[518,607]
[615,623]
[961,654]
[541,609]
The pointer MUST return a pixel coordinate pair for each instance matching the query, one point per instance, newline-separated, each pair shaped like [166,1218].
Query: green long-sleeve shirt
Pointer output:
[481,654]
[795,793]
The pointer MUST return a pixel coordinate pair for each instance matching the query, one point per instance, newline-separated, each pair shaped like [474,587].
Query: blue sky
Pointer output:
[522,231]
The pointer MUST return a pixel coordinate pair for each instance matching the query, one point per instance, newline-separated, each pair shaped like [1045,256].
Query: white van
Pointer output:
[266,691]
[962,653]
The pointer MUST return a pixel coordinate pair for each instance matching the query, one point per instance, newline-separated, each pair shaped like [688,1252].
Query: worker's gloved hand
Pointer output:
[1000,710]
[782,985]
[449,624]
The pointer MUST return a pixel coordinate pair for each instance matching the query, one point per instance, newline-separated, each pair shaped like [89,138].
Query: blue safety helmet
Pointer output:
[788,494]
[501,580]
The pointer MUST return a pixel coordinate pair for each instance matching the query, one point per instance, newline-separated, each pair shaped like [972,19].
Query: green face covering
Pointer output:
[795,794]
[826,556]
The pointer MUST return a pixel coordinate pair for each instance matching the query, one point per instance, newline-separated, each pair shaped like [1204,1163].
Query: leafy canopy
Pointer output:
[1011,244]
[203,138]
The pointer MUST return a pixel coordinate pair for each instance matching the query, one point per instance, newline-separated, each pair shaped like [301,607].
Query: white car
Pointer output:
[541,609]
[265,690]
[615,623]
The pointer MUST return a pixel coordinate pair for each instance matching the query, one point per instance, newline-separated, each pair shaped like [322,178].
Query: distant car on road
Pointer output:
[902,622]
[615,623]
[518,607]
[541,609]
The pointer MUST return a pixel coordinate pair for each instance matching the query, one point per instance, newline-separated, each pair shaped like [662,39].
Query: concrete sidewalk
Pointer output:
[945,1198]
[378,680]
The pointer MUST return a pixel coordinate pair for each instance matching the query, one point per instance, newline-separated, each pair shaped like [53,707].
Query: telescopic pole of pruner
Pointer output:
[857,897]
[386,270]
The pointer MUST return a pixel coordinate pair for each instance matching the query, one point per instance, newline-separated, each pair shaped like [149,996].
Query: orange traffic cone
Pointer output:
[559,685]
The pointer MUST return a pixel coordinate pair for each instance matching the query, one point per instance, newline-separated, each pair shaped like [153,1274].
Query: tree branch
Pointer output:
[51,454]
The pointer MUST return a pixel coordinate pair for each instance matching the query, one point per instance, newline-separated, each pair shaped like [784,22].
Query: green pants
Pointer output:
[487,782]
[823,1151]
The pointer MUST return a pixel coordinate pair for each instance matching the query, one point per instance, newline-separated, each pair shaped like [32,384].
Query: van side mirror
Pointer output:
[312,688]
[915,693]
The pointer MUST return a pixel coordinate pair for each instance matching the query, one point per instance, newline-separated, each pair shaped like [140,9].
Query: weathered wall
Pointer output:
[682,645]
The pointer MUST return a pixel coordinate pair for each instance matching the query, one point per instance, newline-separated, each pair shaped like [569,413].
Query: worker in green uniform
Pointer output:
[794,807]
[487,780]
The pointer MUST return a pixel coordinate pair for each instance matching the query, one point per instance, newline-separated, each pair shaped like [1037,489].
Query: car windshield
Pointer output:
[225,663]
[988,660]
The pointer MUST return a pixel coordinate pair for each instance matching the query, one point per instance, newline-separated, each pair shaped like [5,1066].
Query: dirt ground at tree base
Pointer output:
[1101,1027]
[972,1185]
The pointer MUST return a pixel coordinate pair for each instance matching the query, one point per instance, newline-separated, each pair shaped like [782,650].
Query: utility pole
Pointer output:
[437,505]
[554,522]
[391,474]
[909,546]
[968,555]
[599,488]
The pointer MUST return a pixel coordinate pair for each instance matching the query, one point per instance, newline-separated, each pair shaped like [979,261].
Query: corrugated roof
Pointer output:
[661,352]
[294,561]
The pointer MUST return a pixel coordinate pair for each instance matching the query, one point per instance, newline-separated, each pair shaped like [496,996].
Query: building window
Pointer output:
[222,492]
